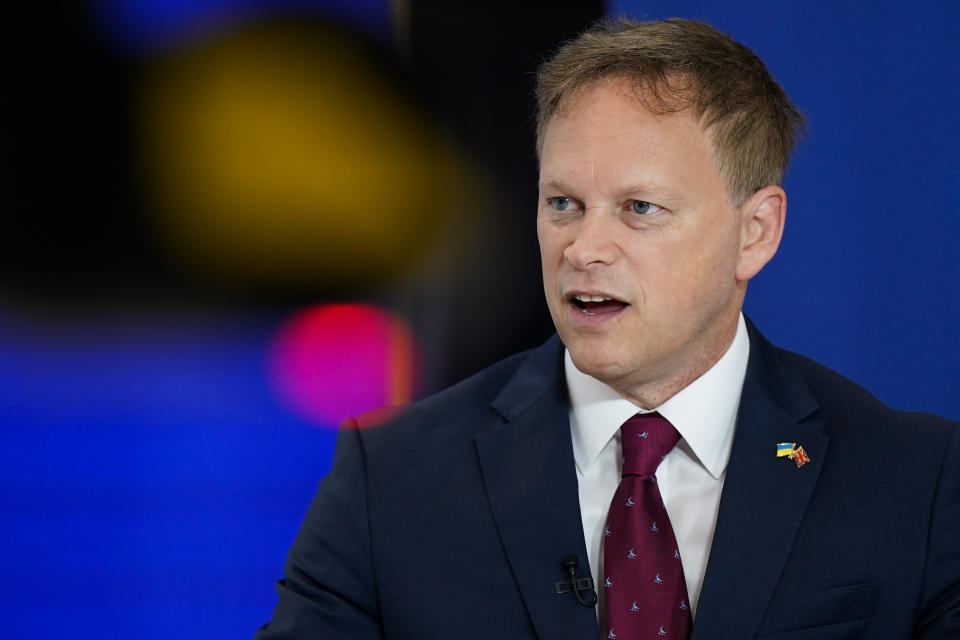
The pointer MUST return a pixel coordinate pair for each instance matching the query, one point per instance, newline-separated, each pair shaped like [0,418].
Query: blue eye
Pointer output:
[560,204]
[641,207]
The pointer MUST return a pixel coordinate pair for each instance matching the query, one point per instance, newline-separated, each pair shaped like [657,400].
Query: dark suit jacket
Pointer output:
[452,521]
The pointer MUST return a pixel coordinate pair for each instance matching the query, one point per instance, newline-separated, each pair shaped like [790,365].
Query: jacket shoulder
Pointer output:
[465,406]
[844,401]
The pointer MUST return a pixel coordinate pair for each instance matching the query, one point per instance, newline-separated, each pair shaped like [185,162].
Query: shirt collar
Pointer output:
[704,412]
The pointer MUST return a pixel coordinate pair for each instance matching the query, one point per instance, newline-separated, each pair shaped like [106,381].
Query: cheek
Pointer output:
[698,269]
[719,241]
[726,253]
[551,245]
[548,261]
[543,237]
[715,273]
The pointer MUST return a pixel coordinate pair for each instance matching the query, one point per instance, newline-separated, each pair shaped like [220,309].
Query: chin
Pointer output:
[594,362]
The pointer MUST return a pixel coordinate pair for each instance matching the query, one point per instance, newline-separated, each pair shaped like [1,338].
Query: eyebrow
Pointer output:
[553,183]
[657,191]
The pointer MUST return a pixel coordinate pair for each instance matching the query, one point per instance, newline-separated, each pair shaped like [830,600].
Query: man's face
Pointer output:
[632,209]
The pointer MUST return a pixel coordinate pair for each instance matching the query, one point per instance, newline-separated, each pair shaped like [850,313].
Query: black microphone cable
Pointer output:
[570,563]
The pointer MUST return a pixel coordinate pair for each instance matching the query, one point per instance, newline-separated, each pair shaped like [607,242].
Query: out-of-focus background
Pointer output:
[232,223]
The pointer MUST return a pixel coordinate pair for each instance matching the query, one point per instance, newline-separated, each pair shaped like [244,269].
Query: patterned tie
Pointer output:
[644,589]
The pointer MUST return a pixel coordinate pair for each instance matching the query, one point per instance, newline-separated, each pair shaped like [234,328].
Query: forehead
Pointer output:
[606,132]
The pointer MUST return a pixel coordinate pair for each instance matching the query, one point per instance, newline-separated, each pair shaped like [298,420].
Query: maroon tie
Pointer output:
[644,589]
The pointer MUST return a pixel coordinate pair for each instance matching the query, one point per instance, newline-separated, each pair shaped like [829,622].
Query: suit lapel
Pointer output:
[764,497]
[530,478]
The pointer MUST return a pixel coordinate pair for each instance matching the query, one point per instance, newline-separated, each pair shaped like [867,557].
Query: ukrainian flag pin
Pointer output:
[786,449]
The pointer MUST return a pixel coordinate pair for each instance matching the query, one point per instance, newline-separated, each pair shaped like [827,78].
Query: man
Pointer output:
[716,486]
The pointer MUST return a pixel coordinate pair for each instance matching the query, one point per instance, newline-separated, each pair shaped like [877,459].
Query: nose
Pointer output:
[594,241]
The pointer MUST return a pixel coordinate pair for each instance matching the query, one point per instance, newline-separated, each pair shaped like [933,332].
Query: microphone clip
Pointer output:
[576,585]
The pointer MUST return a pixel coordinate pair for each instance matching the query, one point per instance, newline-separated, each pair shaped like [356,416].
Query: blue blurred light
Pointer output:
[150,485]
[156,24]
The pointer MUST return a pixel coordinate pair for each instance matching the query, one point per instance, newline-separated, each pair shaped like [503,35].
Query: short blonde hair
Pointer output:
[676,65]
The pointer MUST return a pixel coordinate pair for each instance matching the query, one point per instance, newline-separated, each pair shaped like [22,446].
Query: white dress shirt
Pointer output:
[690,478]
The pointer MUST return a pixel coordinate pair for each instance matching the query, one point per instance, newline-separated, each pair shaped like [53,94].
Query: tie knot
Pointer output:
[646,439]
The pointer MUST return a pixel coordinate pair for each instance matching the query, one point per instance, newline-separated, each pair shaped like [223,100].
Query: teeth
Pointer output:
[585,298]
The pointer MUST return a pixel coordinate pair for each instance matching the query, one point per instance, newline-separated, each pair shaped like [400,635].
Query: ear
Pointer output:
[761,227]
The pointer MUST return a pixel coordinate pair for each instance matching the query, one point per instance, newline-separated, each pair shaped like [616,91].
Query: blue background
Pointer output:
[867,279]
[150,484]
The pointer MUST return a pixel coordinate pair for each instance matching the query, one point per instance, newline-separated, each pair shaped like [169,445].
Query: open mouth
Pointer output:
[595,305]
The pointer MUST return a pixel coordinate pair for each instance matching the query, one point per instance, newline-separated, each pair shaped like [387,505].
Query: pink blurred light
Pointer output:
[331,362]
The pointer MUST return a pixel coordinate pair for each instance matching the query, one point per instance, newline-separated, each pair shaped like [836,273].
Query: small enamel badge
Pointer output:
[786,449]
[792,451]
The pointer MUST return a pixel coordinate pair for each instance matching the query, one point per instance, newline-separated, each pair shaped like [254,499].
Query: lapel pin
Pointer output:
[792,451]
[786,449]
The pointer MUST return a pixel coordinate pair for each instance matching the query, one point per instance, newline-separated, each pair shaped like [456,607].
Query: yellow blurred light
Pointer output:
[276,156]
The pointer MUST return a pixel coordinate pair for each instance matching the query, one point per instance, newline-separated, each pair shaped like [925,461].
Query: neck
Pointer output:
[654,391]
